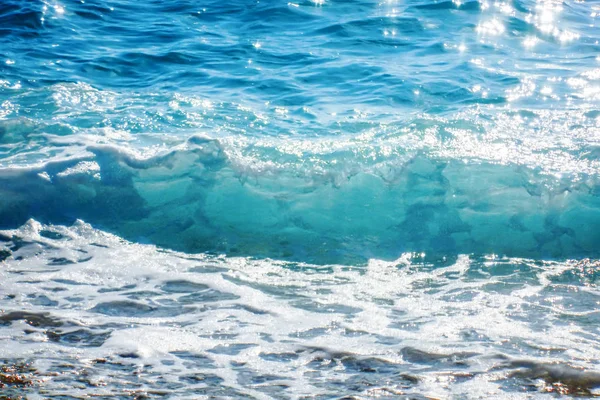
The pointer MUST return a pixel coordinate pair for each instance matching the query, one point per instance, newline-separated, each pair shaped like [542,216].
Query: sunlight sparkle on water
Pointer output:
[546,20]
[505,8]
[530,41]
[492,27]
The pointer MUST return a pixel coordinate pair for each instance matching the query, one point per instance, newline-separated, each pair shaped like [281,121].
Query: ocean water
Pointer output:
[316,199]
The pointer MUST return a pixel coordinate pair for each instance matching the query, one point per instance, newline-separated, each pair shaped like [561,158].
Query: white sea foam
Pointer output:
[133,317]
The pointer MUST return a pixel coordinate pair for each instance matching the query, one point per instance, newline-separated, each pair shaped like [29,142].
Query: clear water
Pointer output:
[318,199]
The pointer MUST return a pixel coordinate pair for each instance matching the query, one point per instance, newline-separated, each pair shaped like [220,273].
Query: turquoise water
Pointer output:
[310,199]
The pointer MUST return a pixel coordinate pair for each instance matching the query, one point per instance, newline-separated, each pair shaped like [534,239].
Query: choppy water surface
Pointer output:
[318,199]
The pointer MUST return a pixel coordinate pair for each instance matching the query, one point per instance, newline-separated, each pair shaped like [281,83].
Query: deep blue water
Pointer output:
[453,144]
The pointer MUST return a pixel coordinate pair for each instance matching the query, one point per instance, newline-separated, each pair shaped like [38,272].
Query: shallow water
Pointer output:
[299,200]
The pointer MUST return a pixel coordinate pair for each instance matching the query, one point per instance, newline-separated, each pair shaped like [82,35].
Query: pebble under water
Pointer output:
[320,199]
